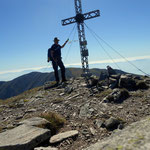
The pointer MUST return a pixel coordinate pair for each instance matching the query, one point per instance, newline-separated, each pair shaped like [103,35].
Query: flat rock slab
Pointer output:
[46,148]
[23,137]
[134,137]
[62,136]
[35,121]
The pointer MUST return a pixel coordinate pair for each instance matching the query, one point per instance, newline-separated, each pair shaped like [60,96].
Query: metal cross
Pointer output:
[79,19]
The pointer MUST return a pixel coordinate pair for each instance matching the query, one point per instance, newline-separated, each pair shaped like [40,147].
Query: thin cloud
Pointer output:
[21,70]
[119,60]
[79,64]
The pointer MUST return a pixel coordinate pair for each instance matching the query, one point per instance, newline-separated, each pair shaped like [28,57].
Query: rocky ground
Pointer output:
[94,116]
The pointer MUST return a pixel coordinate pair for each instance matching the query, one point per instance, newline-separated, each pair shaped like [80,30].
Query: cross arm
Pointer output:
[91,14]
[68,21]
[85,16]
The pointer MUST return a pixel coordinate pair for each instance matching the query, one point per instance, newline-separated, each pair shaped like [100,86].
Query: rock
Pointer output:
[147,80]
[39,95]
[23,138]
[19,117]
[126,81]
[120,107]
[93,80]
[45,148]
[36,121]
[137,77]
[118,95]
[61,94]
[113,83]
[86,111]
[74,96]
[30,111]
[93,131]
[68,89]
[121,126]
[20,104]
[99,123]
[62,136]
[134,137]
[112,123]
[110,71]
[115,76]
[102,76]
[141,85]
[83,85]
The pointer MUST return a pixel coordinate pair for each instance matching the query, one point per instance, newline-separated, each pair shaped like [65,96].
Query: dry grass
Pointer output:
[138,94]
[124,93]
[104,93]
[58,100]
[56,121]
[24,95]
[1,109]
[1,129]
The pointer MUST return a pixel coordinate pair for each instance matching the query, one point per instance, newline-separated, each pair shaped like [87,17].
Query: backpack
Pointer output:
[49,54]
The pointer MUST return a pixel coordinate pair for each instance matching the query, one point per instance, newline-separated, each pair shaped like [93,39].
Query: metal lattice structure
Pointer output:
[79,19]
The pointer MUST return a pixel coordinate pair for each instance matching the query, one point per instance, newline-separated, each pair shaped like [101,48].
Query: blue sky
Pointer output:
[27,29]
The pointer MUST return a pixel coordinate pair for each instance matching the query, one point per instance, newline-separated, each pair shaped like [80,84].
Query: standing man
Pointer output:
[54,55]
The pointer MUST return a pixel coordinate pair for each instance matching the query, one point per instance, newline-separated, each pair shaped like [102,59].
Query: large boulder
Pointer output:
[112,123]
[135,137]
[126,81]
[117,96]
[23,137]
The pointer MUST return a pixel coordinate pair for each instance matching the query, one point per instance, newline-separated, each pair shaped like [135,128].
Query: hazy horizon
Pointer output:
[124,66]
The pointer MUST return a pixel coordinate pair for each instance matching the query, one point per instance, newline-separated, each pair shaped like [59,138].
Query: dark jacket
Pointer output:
[56,51]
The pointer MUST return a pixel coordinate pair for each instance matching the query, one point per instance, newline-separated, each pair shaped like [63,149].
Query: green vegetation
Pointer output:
[56,121]
[26,100]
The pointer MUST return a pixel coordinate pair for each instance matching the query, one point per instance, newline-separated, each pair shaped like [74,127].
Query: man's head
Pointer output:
[108,67]
[56,40]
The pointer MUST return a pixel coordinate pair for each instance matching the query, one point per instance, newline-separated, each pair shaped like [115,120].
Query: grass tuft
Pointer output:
[1,129]
[124,93]
[56,121]
[104,93]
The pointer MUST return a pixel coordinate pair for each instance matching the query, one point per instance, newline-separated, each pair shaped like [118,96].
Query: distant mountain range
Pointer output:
[36,79]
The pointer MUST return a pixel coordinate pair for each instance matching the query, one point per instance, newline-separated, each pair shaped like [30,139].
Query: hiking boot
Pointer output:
[63,81]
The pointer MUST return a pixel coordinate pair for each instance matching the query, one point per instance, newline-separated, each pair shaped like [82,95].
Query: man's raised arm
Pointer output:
[64,43]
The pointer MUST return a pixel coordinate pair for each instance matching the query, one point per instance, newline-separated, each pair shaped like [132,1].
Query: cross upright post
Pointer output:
[79,19]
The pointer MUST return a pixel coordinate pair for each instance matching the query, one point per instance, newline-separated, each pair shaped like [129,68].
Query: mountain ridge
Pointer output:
[35,79]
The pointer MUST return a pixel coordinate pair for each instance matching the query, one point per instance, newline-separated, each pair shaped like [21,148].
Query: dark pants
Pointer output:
[62,68]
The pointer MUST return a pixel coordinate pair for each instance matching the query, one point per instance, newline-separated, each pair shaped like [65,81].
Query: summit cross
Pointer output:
[79,19]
